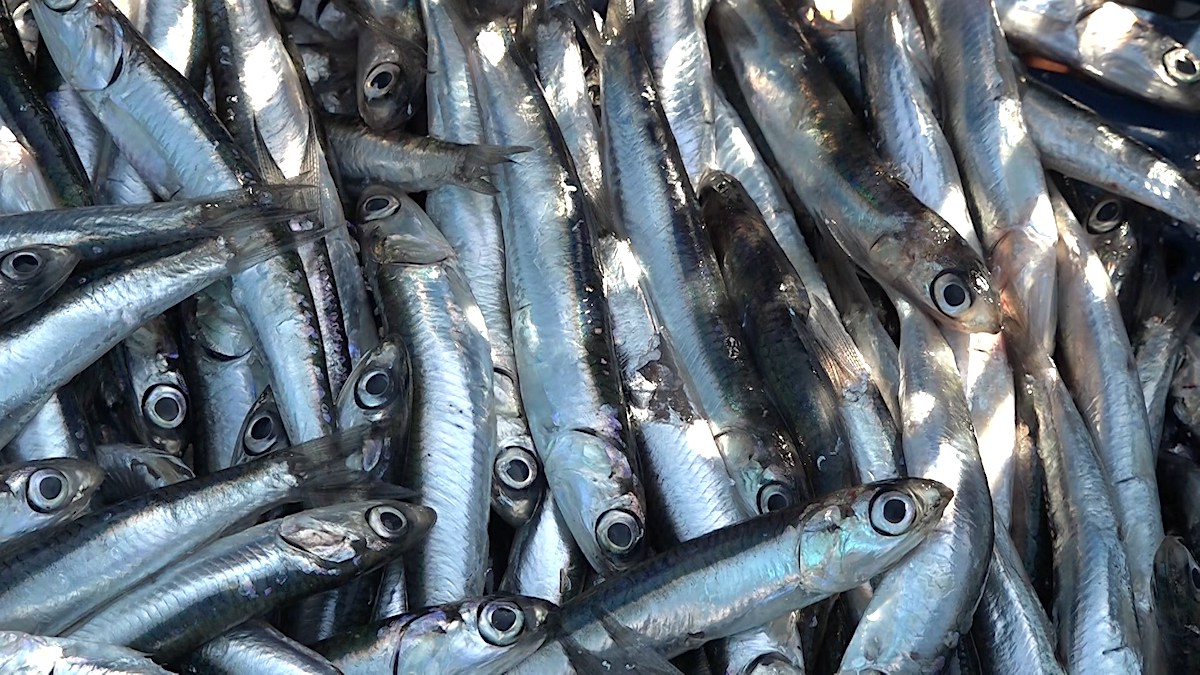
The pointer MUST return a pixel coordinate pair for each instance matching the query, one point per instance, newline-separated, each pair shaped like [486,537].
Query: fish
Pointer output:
[1177,596]
[653,601]
[261,567]
[23,652]
[131,470]
[427,303]
[488,634]
[41,494]
[30,275]
[256,646]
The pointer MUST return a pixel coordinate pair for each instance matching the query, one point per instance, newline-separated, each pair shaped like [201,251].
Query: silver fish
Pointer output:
[29,275]
[833,167]
[256,647]
[260,568]
[131,470]
[40,494]
[569,382]
[426,301]
[843,539]
[486,635]
[22,652]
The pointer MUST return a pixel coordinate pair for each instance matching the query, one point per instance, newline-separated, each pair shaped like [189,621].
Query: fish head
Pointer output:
[854,534]
[356,535]
[488,634]
[30,275]
[389,80]
[54,489]
[88,39]
[396,231]
[262,430]
[1176,579]
[379,388]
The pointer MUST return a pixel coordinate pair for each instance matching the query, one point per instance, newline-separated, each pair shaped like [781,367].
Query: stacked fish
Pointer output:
[648,336]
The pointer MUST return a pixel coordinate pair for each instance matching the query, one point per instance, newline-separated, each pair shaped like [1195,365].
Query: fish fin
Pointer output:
[1172,295]
[252,243]
[579,13]
[264,161]
[341,466]
[474,168]
[835,351]
[635,649]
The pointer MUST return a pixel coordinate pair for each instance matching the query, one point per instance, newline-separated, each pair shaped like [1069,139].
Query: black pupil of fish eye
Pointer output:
[50,487]
[260,429]
[777,502]
[503,619]
[1195,577]
[392,521]
[167,408]
[376,384]
[1108,212]
[25,264]
[1185,66]
[518,471]
[375,204]
[954,294]
[894,511]
[620,534]
[381,80]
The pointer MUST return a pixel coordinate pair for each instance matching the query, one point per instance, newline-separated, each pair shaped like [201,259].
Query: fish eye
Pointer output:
[515,468]
[378,206]
[1105,216]
[773,497]
[387,522]
[262,433]
[501,622]
[21,265]
[618,532]
[381,80]
[892,513]
[951,294]
[374,389]
[60,5]
[1195,577]
[165,406]
[47,490]
[1182,65]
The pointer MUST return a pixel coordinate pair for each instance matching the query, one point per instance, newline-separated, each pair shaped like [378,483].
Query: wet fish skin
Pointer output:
[58,429]
[1106,42]
[40,494]
[1076,142]
[545,562]
[562,330]
[255,646]
[21,651]
[655,206]
[808,124]
[249,573]
[391,74]
[1113,225]
[427,303]
[1091,327]
[1097,624]
[456,639]
[1179,483]
[29,275]
[911,624]
[839,549]
[412,163]
[775,319]
[132,540]
[998,162]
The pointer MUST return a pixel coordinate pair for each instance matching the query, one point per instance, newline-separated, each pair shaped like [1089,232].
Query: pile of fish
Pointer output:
[648,336]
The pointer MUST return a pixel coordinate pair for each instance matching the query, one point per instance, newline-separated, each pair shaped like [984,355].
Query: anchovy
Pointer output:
[426,301]
[249,573]
[256,647]
[838,175]
[40,494]
[58,579]
[491,634]
[842,542]
[21,652]
[569,379]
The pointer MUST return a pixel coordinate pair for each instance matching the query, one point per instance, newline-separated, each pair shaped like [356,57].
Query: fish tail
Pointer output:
[474,170]
[251,242]
[344,466]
